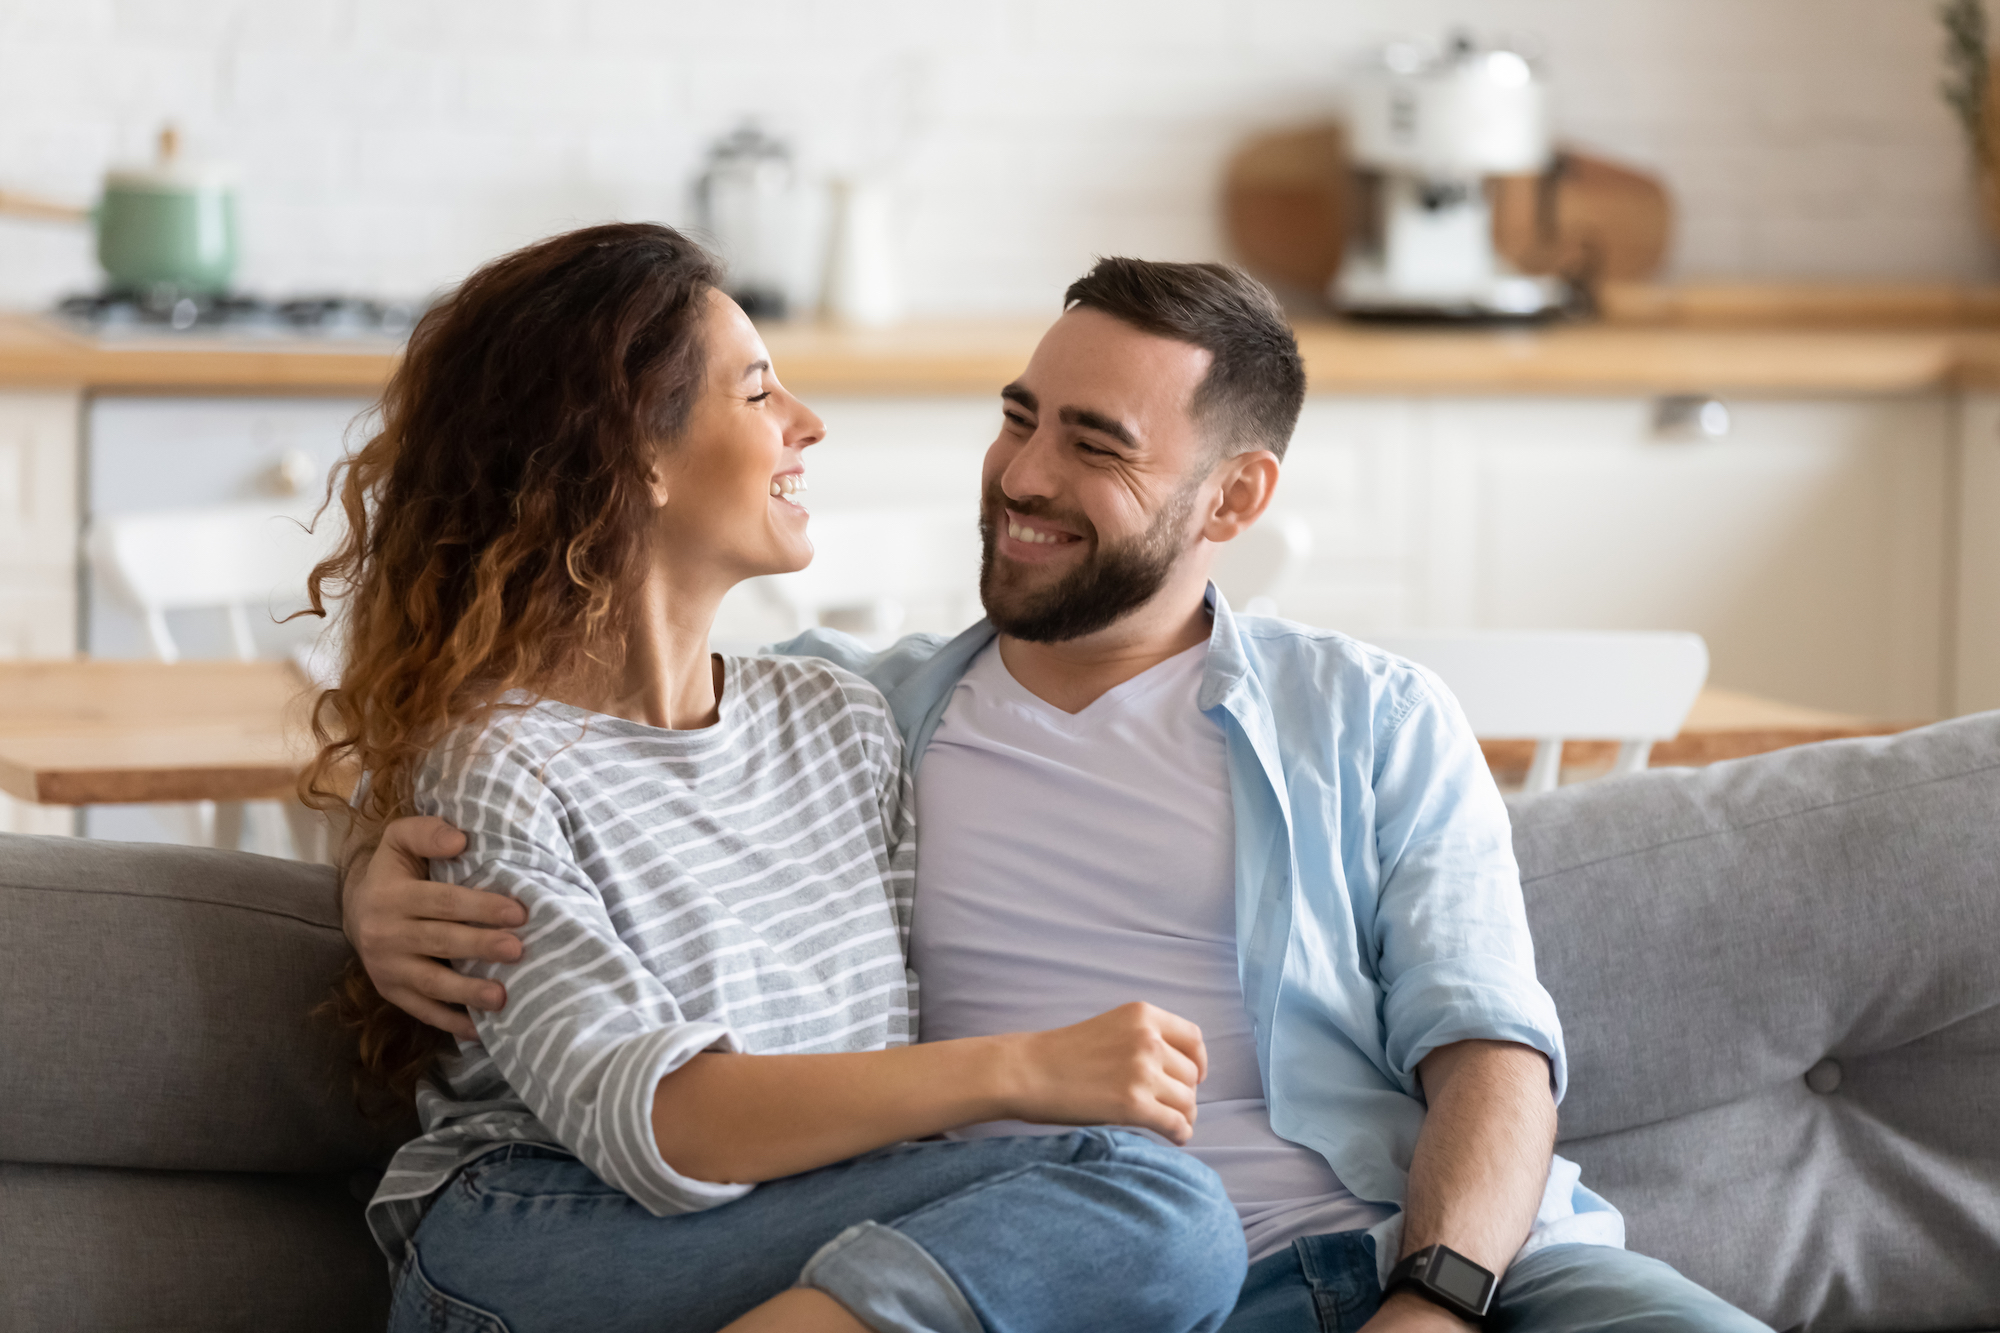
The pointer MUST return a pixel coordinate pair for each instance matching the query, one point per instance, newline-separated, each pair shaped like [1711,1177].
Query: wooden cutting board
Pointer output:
[1286,196]
[1587,218]
[1284,204]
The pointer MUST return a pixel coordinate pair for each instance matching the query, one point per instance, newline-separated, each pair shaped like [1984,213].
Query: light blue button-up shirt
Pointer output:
[1378,906]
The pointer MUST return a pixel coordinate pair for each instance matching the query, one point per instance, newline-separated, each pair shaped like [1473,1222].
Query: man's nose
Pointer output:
[1030,473]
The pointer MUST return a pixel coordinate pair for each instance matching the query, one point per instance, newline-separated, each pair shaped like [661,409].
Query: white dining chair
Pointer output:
[1260,564]
[1633,687]
[238,560]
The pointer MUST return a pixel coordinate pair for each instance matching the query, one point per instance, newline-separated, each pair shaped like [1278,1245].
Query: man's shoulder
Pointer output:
[1311,668]
[914,673]
[844,650]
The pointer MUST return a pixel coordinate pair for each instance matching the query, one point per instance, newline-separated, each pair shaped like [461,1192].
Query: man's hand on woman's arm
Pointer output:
[401,923]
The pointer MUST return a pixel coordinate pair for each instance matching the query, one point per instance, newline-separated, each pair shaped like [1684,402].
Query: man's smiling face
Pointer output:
[1089,490]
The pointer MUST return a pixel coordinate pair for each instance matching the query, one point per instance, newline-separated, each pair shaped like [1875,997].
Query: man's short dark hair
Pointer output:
[1256,384]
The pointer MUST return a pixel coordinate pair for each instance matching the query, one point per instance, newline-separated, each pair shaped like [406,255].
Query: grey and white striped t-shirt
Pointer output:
[745,887]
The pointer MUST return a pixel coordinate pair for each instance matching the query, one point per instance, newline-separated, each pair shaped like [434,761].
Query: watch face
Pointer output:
[1460,1279]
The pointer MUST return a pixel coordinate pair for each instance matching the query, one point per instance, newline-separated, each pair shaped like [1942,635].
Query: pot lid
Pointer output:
[171,171]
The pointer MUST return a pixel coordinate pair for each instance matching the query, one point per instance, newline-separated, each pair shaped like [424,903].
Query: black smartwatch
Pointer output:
[1443,1275]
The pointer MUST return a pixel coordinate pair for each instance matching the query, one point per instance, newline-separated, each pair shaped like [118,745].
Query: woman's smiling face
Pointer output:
[731,483]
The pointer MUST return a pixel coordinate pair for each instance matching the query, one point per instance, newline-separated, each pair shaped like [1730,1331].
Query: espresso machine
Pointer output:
[1427,130]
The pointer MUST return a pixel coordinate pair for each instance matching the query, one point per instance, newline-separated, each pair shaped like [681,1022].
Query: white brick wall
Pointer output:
[388,145]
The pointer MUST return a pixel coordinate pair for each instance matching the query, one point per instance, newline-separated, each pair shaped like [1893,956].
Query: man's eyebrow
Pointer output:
[1097,421]
[1015,393]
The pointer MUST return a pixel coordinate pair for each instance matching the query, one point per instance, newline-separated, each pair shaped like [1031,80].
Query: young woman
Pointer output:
[700,1106]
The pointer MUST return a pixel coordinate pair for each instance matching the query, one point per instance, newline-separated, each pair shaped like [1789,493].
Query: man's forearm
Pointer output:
[1482,1160]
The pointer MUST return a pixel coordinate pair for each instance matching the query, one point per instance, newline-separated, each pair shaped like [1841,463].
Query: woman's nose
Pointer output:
[808,429]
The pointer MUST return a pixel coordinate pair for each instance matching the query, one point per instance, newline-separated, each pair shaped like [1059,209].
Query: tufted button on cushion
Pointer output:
[1710,935]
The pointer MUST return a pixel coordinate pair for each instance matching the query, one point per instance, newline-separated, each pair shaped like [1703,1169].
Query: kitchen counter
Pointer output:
[39,353]
[1713,339]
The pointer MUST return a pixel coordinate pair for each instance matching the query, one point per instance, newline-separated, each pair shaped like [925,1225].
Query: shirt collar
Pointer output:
[1228,665]
[1233,687]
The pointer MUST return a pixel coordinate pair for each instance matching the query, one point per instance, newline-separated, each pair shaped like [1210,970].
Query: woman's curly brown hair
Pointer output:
[496,524]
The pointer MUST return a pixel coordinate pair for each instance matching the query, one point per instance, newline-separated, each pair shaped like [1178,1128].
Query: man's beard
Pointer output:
[1112,581]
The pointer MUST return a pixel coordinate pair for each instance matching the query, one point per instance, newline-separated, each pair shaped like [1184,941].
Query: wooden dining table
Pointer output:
[1723,724]
[80,731]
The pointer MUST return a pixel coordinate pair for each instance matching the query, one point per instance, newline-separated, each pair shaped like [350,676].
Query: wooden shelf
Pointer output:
[1767,339]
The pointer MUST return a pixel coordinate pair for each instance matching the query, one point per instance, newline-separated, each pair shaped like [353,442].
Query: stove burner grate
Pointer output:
[170,313]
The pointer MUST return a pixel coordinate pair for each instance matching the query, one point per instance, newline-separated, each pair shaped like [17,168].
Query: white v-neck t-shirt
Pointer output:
[1071,863]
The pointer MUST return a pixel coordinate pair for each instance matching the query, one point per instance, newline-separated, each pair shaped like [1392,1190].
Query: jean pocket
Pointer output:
[1339,1269]
[419,1307]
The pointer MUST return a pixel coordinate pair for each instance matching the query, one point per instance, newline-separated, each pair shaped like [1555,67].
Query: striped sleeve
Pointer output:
[587,1033]
[896,800]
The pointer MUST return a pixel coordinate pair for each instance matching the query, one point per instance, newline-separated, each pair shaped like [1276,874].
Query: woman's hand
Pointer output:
[1135,1065]
[401,923]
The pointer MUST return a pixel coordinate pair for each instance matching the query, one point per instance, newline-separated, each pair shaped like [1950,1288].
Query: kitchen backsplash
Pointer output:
[388,145]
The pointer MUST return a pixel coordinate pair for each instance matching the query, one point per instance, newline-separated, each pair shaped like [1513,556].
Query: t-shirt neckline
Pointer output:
[1119,698]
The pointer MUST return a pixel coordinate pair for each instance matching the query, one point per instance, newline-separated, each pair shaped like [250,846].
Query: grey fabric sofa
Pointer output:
[1780,980]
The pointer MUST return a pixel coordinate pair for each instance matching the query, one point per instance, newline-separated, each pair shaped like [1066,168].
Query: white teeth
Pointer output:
[1020,532]
[792,483]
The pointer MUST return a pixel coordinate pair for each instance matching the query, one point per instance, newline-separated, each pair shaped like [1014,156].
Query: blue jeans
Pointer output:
[1327,1284]
[1096,1229]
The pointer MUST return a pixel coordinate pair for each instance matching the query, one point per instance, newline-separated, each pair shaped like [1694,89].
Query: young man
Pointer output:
[1126,792]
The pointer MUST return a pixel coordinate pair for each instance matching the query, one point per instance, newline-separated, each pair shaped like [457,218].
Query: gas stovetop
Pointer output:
[123,316]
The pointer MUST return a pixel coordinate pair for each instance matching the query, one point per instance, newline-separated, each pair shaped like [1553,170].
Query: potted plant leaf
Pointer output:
[1973,92]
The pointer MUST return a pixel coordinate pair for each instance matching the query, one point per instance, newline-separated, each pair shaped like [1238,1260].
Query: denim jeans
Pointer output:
[1327,1284]
[1095,1229]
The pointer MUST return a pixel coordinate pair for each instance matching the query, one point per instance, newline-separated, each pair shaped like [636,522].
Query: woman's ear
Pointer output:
[1248,479]
[656,482]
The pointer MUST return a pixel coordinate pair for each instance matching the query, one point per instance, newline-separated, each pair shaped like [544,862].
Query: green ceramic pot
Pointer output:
[168,227]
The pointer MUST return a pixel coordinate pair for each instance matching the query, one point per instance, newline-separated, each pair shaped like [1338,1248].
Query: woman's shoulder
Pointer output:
[511,746]
[815,692]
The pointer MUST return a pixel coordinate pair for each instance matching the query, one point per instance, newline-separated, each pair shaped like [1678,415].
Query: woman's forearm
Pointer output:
[741,1118]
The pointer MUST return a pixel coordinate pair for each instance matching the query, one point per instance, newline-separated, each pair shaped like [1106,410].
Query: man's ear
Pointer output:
[1247,482]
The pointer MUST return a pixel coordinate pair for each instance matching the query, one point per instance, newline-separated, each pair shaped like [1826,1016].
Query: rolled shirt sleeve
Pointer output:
[1455,958]
[588,1032]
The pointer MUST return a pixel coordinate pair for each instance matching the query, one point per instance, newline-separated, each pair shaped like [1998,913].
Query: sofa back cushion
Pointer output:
[1779,980]
[158,1012]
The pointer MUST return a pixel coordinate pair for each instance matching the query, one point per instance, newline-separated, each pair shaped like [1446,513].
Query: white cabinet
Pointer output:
[1836,552]
[1355,471]
[1812,546]
[162,453]
[38,523]
[1809,546]
[1976,619]
[38,537]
